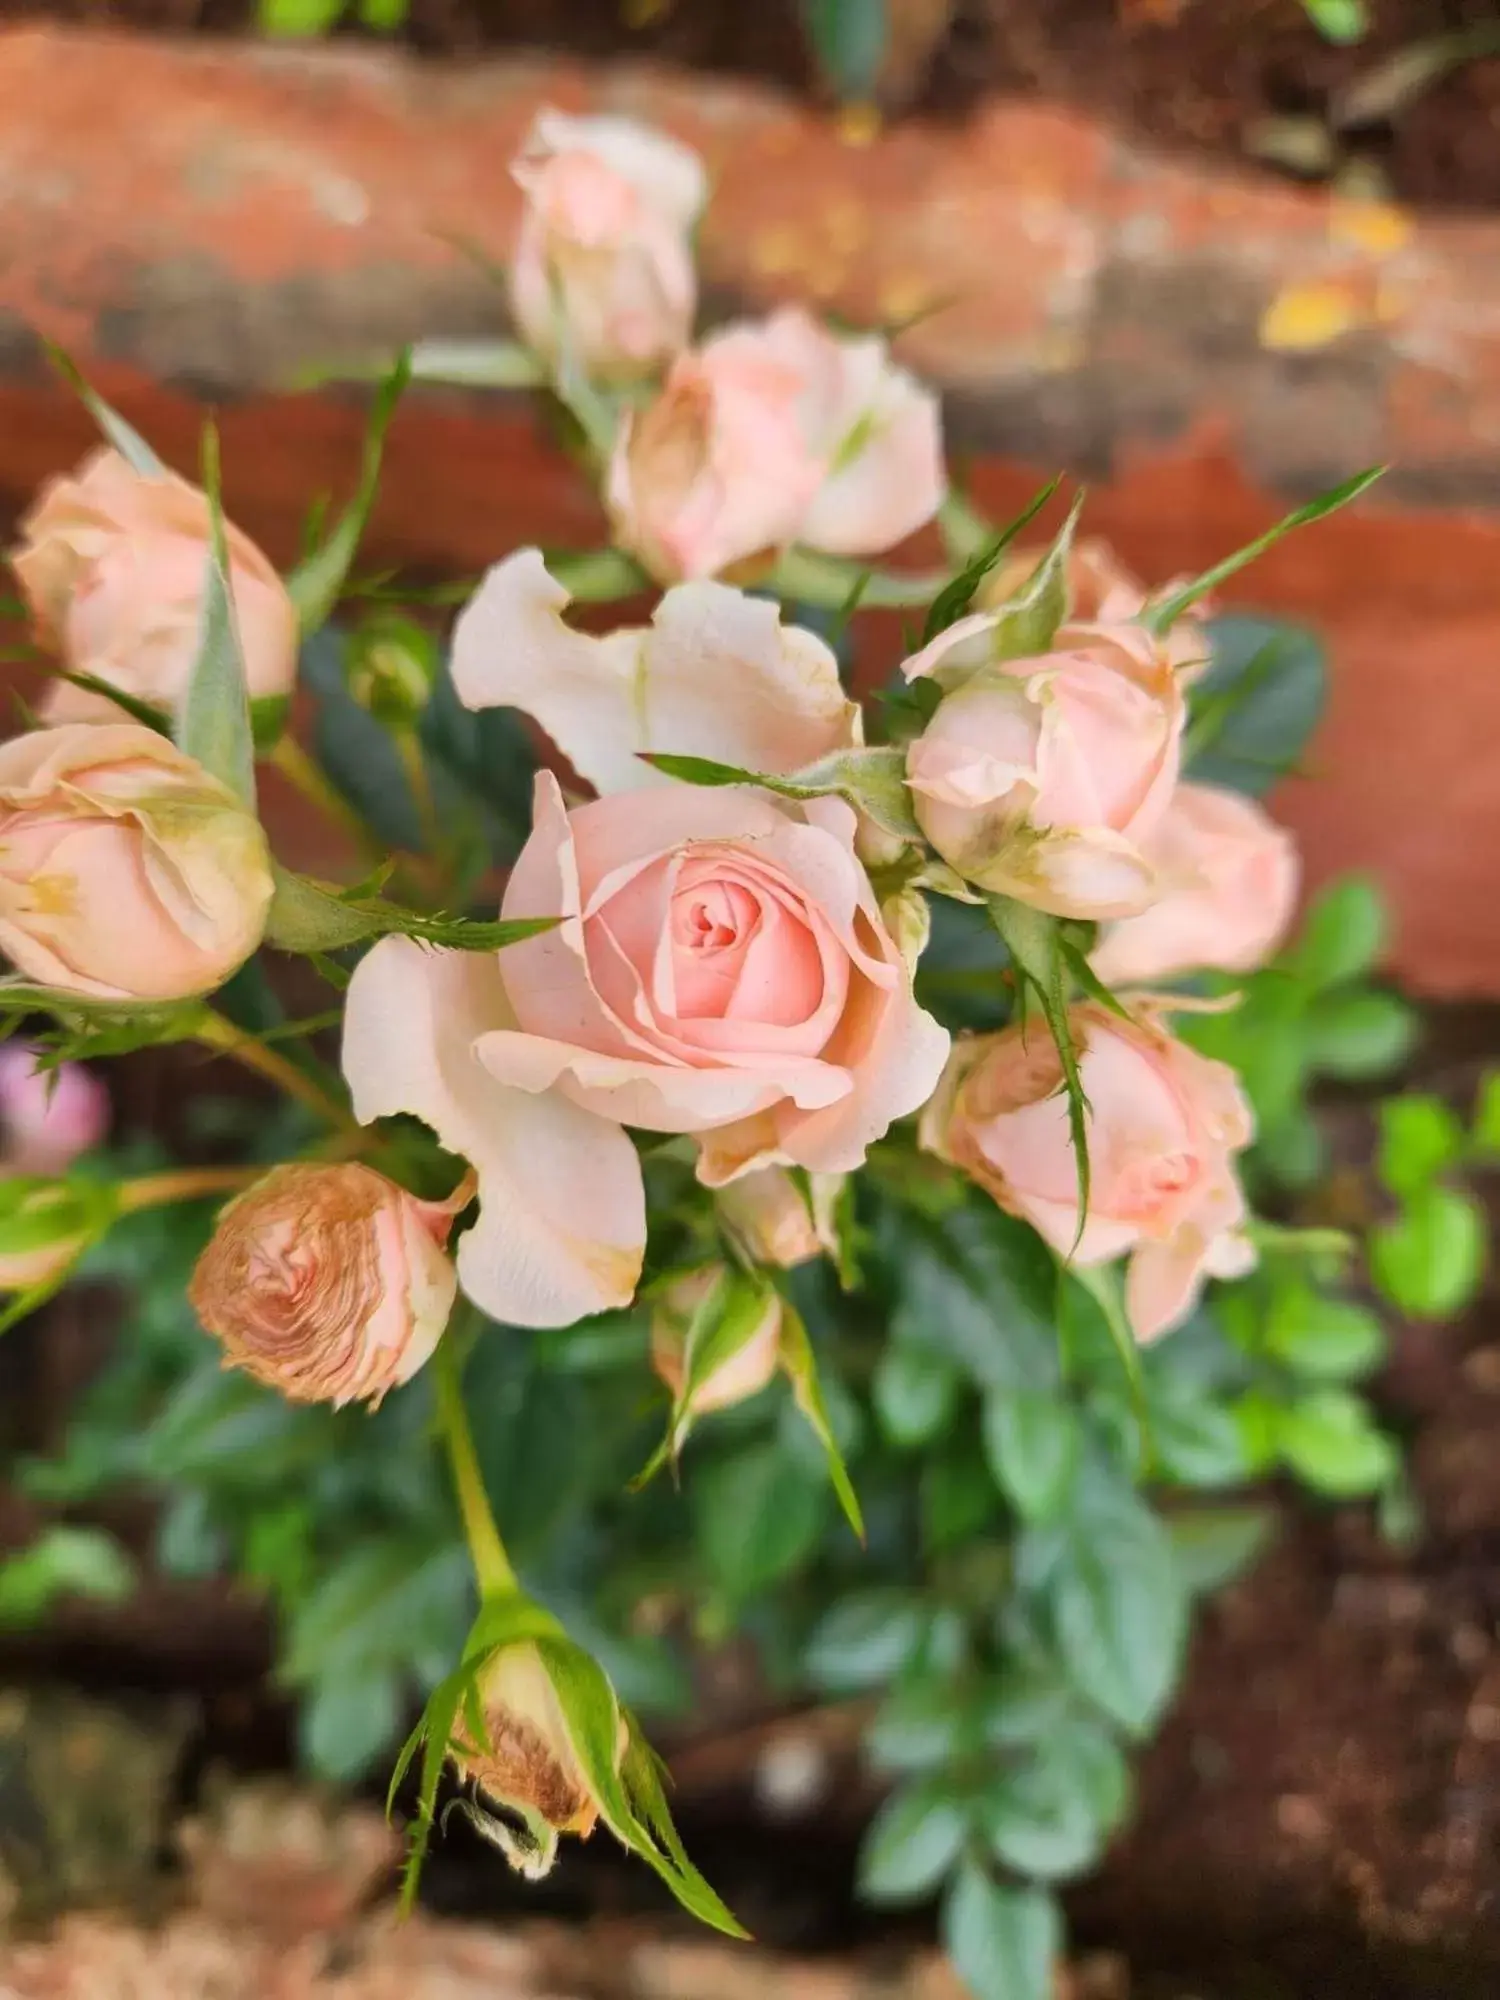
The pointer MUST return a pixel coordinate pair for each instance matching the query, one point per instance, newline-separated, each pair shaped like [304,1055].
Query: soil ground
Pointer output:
[1221,75]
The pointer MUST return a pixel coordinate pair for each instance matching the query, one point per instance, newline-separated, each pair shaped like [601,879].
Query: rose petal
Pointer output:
[562,1225]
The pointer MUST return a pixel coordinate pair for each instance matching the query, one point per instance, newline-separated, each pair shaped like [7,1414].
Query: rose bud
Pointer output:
[47,1116]
[1164,1124]
[126,871]
[45,1227]
[770,1218]
[603,271]
[113,566]
[772,432]
[1228,877]
[1041,778]
[327,1283]
[529,1766]
[727,1312]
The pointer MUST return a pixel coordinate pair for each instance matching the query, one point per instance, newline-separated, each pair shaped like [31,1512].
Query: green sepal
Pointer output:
[316,918]
[125,438]
[1035,942]
[801,1366]
[317,582]
[214,725]
[954,599]
[873,781]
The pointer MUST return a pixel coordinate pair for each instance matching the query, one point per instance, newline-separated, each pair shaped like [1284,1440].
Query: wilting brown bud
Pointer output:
[528,1767]
[329,1283]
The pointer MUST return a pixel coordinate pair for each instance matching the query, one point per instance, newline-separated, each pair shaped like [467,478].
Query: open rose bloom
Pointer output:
[722,968]
[112,564]
[1164,1126]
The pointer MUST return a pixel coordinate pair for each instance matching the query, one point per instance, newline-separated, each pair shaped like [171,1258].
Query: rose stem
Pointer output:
[492,1568]
[216,1033]
[183,1184]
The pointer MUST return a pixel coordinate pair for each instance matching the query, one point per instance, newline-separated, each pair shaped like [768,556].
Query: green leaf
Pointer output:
[1328,1339]
[62,1562]
[1343,933]
[912,1843]
[215,723]
[1161,617]
[866,1639]
[372,1608]
[1359,1035]
[143,712]
[1215,1545]
[871,780]
[1430,1259]
[1254,711]
[297,20]
[1339,21]
[1049,1817]
[915,1393]
[317,582]
[125,439]
[954,600]
[1004,1942]
[1195,1438]
[917,1728]
[477,364]
[849,39]
[978,1287]
[957,1496]
[1420,1136]
[1034,941]
[1486,1134]
[315,917]
[1119,1613]
[1330,1440]
[643,1773]
[348,1721]
[1032,1440]
[801,1366]
[757,1517]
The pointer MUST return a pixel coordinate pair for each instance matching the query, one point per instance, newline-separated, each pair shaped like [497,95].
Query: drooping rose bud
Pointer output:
[773,432]
[716,1337]
[113,565]
[45,1226]
[528,1766]
[603,270]
[328,1283]
[47,1116]
[1041,778]
[1228,876]
[1164,1124]
[770,1217]
[126,871]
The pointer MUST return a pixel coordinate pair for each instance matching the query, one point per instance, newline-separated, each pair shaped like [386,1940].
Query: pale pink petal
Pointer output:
[895,1053]
[891,483]
[562,1224]
[1163,1283]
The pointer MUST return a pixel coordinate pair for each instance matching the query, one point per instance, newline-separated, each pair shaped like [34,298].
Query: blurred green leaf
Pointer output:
[1360,1034]
[1215,1545]
[866,1639]
[1032,1440]
[1343,933]
[912,1842]
[63,1562]
[757,1515]
[1004,1942]
[1420,1135]
[349,1721]
[915,1392]
[1319,1335]
[1429,1260]
[848,39]
[1119,1612]
[1330,1440]
[1256,708]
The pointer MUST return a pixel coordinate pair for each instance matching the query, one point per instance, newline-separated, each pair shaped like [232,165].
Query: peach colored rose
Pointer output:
[112,566]
[774,432]
[327,1283]
[772,1219]
[126,871]
[1041,778]
[1164,1125]
[603,269]
[716,674]
[750,1364]
[48,1117]
[722,969]
[1228,880]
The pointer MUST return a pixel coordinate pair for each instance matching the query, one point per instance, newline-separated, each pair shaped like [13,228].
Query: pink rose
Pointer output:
[126,871]
[1164,1124]
[327,1283]
[774,432]
[1041,778]
[603,269]
[750,1364]
[1228,885]
[48,1117]
[113,565]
